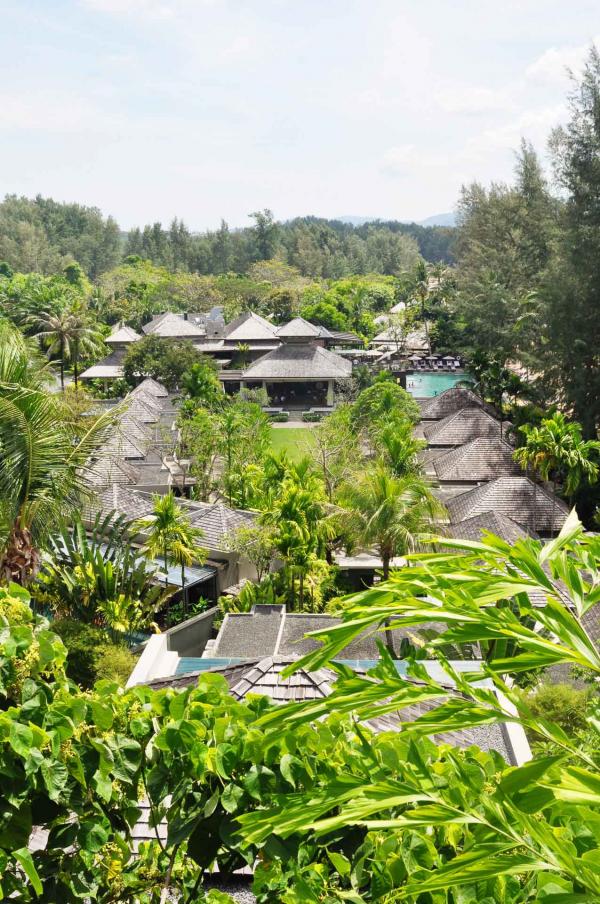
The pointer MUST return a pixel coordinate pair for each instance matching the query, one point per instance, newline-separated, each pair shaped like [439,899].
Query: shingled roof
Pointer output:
[172,326]
[272,631]
[299,362]
[494,522]
[218,522]
[514,497]
[485,458]
[110,367]
[461,427]
[122,335]
[152,387]
[448,402]
[249,326]
[299,328]
[264,677]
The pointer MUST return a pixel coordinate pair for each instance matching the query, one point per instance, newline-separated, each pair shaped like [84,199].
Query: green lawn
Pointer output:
[295,441]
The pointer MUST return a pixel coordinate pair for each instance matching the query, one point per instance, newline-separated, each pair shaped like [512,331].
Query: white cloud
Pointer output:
[534,125]
[404,158]
[554,64]
[53,111]
[472,100]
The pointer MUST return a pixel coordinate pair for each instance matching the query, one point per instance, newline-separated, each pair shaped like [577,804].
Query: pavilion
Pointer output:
[298,373]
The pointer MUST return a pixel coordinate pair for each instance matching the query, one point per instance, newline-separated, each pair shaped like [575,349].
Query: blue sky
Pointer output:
[205,109]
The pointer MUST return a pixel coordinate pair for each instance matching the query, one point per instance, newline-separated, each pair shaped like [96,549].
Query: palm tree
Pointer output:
[170,534]
[392,514]
[399,448]
[67,333]
[44,463]
[557,451]
[422,291]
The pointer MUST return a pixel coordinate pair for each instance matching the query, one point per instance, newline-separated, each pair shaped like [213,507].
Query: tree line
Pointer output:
[44,235]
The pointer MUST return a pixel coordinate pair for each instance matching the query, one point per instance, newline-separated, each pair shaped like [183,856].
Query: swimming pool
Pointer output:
[426,384]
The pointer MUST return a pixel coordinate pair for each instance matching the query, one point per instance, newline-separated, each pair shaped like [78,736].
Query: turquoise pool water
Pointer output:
[429,383]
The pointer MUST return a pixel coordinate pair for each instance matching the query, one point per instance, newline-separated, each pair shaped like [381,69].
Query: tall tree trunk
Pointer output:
[389,639]
[165,553]
[183,590]
[301,590]
[62,365]
[76,362]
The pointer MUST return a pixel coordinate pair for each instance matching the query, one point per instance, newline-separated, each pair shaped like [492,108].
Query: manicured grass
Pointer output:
[295,441]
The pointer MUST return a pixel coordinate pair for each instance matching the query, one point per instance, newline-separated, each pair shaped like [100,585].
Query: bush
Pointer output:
[14,605]
[311,416]
[280,418]
[91,655]
[562,704]
[115,663]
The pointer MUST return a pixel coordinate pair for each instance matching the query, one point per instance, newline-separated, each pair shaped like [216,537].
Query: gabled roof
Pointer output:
[109,469]
[485,458]
[514,497]
[264,677]
[494,522]
[299,328]
[151,386]
[461,427]
[299,362]
[110,367]
[122,335]
[448,402]
[172,326]
[123,501]
[218,522]
[249,326]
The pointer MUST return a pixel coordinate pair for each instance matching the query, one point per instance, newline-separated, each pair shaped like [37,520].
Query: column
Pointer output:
[330,393]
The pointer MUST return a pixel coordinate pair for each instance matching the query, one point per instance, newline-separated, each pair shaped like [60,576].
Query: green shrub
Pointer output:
[311,416]
[280,418]
[14,605]
[91,655]
[115,663]
[562,704]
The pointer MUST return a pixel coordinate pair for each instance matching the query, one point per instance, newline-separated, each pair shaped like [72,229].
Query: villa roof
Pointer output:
[514,497]
[108,368]
[273,631]
[299,328]
[495,522]
[218,522]
[122,335]
[484,458]
[264,676]
[249,326]
[448,402]
[123,501]
[108,469]
[461,427]
[299,362]
[151,386]
[172,326]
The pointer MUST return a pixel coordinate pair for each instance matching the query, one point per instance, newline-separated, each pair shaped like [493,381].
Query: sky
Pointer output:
[210,109]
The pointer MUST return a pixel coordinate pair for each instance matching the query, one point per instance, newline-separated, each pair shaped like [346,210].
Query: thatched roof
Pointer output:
[303,362]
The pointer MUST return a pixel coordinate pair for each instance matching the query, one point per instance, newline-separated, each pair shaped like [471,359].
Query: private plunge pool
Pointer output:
[426,384]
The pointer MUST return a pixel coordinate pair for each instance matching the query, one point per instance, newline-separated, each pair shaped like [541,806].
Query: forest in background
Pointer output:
[523,291]
[44,235]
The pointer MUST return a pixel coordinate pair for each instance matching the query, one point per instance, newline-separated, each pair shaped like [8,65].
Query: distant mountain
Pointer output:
[356,221]
[440,219]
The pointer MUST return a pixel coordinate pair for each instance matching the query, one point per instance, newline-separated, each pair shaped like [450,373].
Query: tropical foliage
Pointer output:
[44,461]
[326,809]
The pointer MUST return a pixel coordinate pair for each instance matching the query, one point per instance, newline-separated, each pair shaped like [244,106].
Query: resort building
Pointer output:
[111,367]
[298,373]
[252,649]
